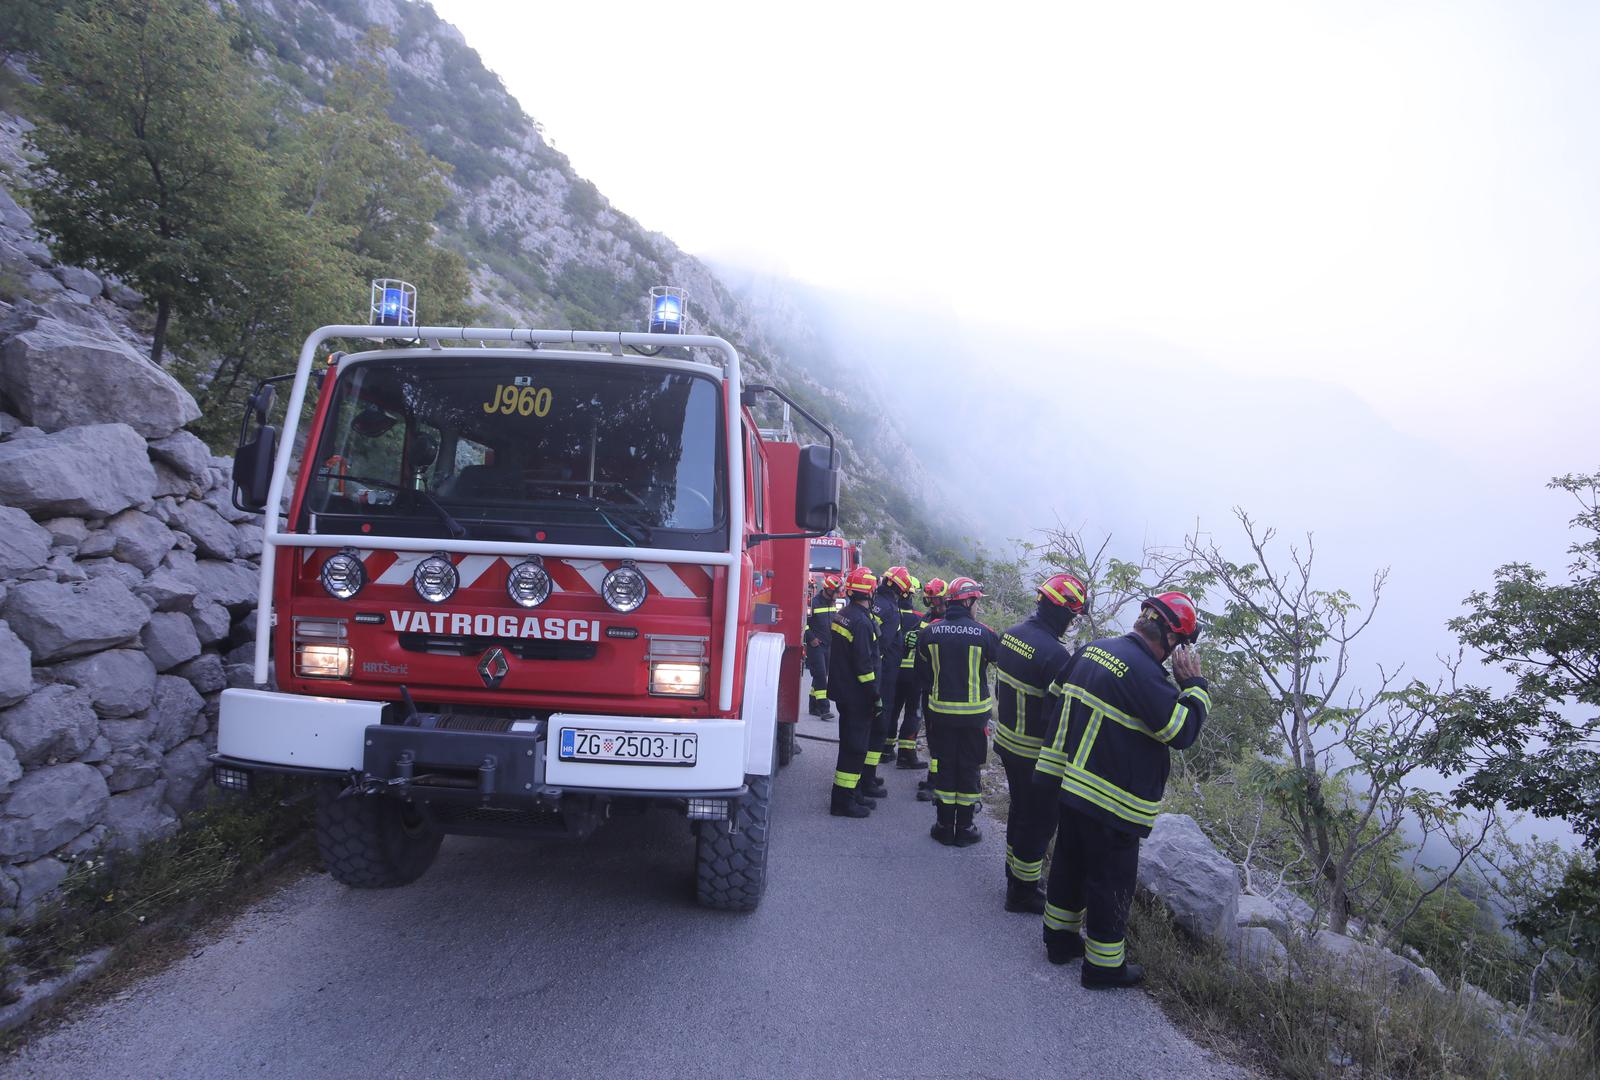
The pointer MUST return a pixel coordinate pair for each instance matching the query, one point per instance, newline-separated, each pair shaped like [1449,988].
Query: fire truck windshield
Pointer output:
[825,558]
[522,448]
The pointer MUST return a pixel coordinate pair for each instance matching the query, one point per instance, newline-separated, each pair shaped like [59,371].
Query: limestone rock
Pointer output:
[176,706]
[186,770]
[1259,911]
[97,545]
[126,573]
[140,539]
[67,531]
[186,453]
[58,722]
[174,585]
[10,767]
[250,543]
[125,770]
[61,621]
[48,807]
[36,882]
[169,640]
[212,535]
[16,668]
[1259,949]
[233,585]
[60,375]
[1184,870]
[79,280]
[24,546]
[204,673]
[63,568]
[120,682]
[87,471]
[211,621]
[136,817]
[1369,962]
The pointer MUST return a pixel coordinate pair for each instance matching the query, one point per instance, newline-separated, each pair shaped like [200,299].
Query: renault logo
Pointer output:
[493,667]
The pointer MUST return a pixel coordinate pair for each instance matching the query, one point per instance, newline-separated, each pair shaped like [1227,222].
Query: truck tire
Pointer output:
[373,843]
[785,744]
[731,863]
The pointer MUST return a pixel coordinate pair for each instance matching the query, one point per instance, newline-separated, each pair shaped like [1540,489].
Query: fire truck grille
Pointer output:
[522,649]
[468,722]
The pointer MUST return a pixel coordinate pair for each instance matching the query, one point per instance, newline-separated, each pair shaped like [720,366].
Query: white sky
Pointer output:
[1397,197]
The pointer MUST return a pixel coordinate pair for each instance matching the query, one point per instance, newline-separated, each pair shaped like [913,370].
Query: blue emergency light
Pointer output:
[394,303]
[668,310]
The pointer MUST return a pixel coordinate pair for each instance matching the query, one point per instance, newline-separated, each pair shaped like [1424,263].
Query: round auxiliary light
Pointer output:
[343,575]
[624,588]
[528,584]
[435,578]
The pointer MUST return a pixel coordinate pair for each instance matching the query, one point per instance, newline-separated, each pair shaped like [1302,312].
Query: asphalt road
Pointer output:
[876,953]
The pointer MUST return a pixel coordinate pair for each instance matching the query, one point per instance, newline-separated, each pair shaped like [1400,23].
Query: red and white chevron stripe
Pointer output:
[681,581]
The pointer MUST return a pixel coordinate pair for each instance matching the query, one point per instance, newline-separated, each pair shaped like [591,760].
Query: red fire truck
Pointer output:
[832,555]
[517,588]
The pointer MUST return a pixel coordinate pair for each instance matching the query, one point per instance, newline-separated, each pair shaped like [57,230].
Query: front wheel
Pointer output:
[786,746]
[373,843]
[731,856]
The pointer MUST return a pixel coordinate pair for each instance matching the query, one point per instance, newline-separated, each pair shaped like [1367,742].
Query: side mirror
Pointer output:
[816,496]
[252,469]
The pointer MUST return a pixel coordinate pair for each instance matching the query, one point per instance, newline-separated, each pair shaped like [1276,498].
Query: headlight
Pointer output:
[323,661]
[436,579]
[528,584]
[343,575]
[672,679]
[624,588]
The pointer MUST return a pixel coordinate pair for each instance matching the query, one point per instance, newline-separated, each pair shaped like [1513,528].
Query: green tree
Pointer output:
[1536,747]
[146,164]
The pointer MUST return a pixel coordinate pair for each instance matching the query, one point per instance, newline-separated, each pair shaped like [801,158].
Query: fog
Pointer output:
[1130,266]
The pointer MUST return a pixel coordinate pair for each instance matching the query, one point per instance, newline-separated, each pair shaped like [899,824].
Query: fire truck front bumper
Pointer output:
[535,759]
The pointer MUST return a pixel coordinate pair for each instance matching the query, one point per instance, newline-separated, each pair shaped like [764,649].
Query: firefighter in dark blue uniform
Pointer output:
[907,694]
[853,686]
[933,593]
[891,644]
[1112,725]
[1032,659]
[953,658]
[819,635]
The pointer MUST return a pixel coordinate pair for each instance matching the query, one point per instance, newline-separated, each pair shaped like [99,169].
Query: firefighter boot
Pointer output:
[844,804]
[820,710]
[863,799]
[925,790]
[871,786]
[907,758]
[967,833]
[1094,977]
[1062,946]
[1024,896]
[944,826]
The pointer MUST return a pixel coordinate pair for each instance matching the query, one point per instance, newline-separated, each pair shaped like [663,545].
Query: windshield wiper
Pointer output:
[636,533]
[457,530]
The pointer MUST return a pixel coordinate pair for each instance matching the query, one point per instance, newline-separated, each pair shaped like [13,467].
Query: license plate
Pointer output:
[627,747]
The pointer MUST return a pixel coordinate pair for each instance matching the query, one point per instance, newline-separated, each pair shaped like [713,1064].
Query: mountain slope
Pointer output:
[547,248]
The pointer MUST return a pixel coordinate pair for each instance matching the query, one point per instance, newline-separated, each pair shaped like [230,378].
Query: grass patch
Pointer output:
[1318,1025]
[108,898]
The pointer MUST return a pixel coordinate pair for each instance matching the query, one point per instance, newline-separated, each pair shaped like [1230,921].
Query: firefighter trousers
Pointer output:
[956,749]
[817,664]
[1031,820]
[906,701]
[855,725]
[1091,885]
[881,739]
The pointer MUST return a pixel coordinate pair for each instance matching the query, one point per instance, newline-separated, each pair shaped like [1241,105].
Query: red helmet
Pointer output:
[1064,590]
[963,588]
[1176,612]
[933,590]
[831,582]
[861,581]
[900,578]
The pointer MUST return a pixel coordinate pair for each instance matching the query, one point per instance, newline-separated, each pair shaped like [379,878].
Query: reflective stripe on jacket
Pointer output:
[953,658]
[1109,726]
[819,622]
[1031,659]
[911,624]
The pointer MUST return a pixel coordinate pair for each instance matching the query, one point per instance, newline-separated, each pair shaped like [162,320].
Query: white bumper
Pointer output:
[290,729]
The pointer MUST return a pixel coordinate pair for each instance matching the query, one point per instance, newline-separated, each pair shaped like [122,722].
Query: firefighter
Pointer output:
[1112,725]
[907,694]
[1032,659]
[819,632]
[853,686]
[953,658]
[933,595]
[891,644]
